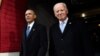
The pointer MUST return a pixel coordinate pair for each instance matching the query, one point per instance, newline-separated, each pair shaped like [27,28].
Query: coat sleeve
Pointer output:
[43,42]
[51,43]
[21,50]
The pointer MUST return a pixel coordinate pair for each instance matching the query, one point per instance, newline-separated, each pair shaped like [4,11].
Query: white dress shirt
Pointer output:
[30,25]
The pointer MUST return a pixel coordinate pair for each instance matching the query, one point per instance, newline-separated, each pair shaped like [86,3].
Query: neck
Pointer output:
[30,22]
[63,19]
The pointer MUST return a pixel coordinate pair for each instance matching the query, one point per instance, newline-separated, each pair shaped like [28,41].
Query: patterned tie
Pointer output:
[28,30]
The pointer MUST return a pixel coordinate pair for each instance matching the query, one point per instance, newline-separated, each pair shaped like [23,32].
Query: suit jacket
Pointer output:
[75,40]
[36,43]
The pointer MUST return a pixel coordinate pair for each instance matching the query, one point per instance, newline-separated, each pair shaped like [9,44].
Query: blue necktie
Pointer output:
[28,30]
[62,26]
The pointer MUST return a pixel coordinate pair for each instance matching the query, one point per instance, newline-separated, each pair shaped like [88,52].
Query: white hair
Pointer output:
[60,3]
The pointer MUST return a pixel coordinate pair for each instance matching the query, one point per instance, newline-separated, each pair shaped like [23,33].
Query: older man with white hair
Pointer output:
[68,37]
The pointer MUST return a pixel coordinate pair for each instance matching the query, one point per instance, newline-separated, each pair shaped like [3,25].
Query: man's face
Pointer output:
[60,11]
[30,16]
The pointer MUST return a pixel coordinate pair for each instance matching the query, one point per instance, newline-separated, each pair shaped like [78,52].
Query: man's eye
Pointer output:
[57,11]
[61,10]
[29,13]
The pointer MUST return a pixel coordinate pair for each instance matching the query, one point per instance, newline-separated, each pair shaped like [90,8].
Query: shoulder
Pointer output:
[81,25]
[40,26]
[54,25]
[77,23]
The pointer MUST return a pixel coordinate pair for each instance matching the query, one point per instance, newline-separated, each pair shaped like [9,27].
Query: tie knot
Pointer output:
[62,22]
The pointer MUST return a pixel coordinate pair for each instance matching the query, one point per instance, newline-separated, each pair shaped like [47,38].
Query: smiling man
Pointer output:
[68,37]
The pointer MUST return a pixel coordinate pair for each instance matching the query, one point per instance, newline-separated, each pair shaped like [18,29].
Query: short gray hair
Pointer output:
[64,4]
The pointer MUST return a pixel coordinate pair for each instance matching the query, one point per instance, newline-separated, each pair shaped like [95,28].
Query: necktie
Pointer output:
[62,27]
[28,30]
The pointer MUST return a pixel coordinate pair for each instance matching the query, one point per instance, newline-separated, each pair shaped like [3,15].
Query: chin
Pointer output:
[28,21]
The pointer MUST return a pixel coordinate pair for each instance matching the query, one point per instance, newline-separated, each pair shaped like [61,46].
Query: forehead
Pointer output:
[59,6]
[29,11]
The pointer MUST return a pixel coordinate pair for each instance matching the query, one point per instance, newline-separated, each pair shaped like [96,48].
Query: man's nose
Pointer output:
[27,16]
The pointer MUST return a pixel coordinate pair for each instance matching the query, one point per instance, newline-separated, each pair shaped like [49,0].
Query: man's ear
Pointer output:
[67,11]
[35,16]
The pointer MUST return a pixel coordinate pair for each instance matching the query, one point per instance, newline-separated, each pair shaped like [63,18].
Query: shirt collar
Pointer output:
[65,21]
[31,24]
